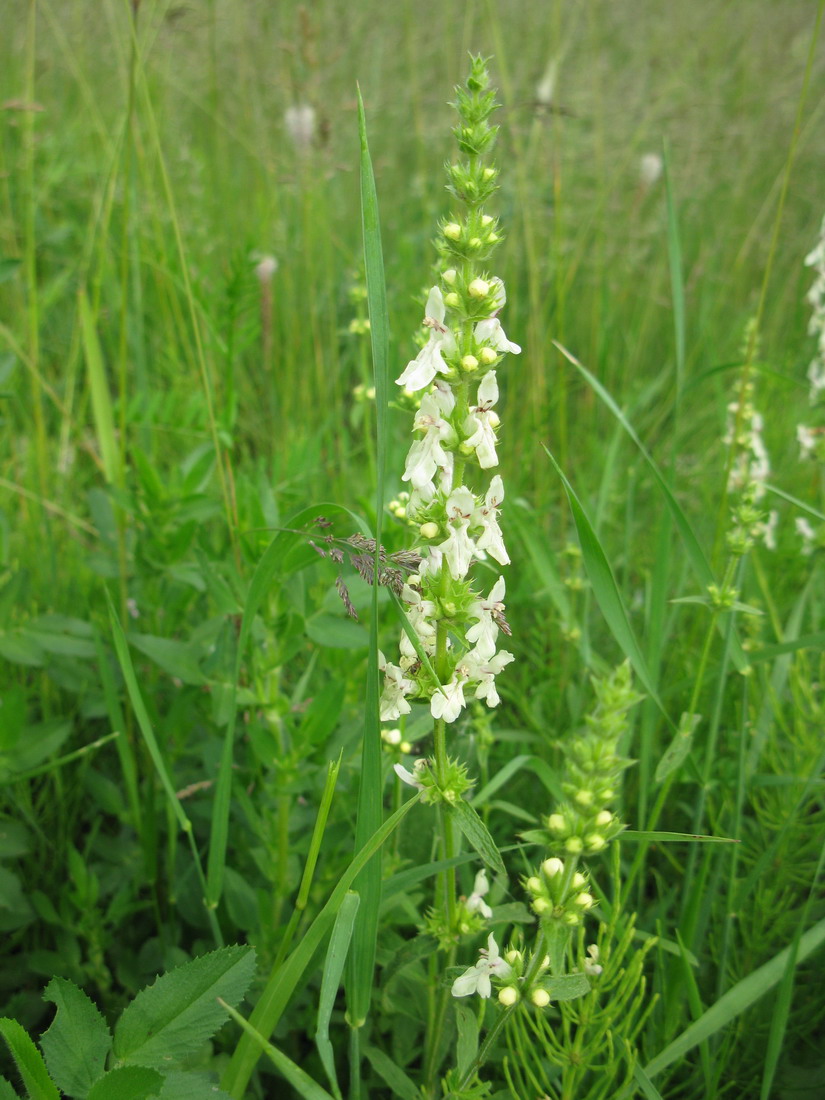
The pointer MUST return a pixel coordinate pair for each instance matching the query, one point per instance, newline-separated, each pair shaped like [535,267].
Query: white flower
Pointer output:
[767,529]
[427,455]
[459,548]
[482,670]
[300,125]
[482,422]
[591,964]
[816,376]
[397,687]
[475,902]
[411,777]
[477,978]
[651,166]
[487,517]
[422,370]
[448,700]
[806,533]
[483,635]
[806,438]
[421,614]
[491,333]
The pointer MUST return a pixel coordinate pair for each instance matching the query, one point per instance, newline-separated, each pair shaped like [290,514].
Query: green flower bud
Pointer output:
[487,356]
[428,530]
[508,996]
[573,844]
[469,363]
[540,998]
[452,300]
[449,276]
[478,288]
[452,231]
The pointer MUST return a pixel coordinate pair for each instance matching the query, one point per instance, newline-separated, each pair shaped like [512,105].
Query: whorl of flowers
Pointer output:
[748,474]
[811,439]
[450,654]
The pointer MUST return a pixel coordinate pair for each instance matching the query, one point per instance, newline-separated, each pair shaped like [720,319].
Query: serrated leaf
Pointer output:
[173,1017]
[77,1043]
[678,749]
[127,1083]
[29,1061]
[477,834]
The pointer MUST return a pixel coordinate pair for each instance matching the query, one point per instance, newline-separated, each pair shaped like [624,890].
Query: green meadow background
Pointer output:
[164,414]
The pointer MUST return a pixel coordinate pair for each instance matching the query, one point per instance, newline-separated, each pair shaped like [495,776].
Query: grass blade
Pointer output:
[607,592]
[284,979]
[370,810]
[339,943]
[695,553]
[303,1084]
[733,1003]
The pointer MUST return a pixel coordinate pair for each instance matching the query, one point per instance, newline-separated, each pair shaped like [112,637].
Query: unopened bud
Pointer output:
[478,288]
[452,231]
[552,867]
[469,363]
[540,998]
[428,530]
[508,996]
[487,356]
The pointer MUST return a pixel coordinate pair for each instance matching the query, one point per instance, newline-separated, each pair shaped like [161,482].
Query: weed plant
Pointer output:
[259,736]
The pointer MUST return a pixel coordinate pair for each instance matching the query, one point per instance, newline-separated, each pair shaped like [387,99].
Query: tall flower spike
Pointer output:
[454,502]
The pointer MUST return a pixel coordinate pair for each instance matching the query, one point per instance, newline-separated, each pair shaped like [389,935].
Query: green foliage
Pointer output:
[163,1027]
[172,416]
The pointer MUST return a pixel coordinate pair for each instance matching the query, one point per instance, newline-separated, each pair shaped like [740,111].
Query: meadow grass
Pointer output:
[176,419]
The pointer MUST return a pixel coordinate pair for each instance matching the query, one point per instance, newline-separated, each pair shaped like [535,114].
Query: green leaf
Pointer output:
[191,1085]
[77,1043]
[606,590]
[6,1091]
[336,632]
[677,751]
[696,556]
[339,943]
[172,1018]
[392,1074]
[29,1061]
[303,1084]
[283,979]
[567,987]
[736,1001]
[466,1020]
[101,398]
[361,967]
[477,834]
[127,1083]
[177,659]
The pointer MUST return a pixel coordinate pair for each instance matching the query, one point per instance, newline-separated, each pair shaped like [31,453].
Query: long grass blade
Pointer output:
[284,979]
[695,553]
[339,943]
[736,1001]
[607,592]
[368,884]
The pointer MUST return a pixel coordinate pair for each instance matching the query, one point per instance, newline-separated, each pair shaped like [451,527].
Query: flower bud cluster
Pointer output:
[450,653]
[749,471]
[449,789]
[559,893]
[584,824]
